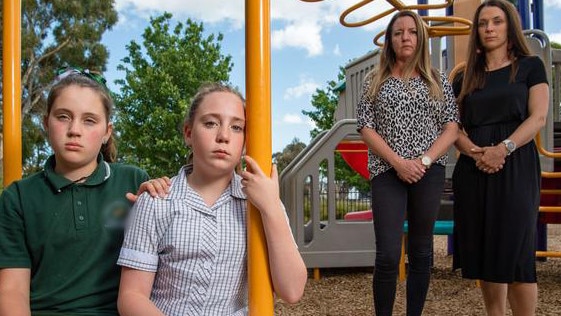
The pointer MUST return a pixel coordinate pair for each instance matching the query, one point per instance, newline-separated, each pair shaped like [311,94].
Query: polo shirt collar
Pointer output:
[101,173]
[235,183]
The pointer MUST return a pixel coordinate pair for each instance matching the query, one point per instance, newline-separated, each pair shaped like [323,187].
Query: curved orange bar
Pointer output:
[544,151]
[437,30]
[364,22]
[397,6]
[434,31]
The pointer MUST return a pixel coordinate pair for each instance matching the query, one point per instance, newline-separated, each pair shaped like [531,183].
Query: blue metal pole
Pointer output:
[423,12]
[523,9]
[538,14]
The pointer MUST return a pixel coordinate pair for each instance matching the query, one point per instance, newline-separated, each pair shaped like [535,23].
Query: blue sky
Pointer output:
[308,45]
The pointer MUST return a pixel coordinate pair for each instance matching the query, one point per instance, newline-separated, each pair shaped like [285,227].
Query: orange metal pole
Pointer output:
[11,91]
[258,112]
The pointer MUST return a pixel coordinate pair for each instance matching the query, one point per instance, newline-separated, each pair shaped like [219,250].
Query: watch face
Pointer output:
[426,161]
[510,146]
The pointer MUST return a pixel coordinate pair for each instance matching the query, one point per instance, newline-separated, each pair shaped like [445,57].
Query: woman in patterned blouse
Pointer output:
[408,118]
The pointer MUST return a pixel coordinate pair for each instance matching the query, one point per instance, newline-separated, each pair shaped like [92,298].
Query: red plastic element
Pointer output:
[355,154]
[359,216]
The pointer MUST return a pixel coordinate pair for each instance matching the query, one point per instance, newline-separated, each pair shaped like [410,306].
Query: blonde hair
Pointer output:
[420,61]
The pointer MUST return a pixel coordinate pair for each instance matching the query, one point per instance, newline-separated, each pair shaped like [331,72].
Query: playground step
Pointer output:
[440,227]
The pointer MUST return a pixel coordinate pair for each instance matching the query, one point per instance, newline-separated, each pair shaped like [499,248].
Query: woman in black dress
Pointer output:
[503,97]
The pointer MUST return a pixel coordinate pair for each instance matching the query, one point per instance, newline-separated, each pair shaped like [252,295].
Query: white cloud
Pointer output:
[306,86]
[301,35]
[292,119]
[297,24]
[552,3]
[337,50]
[297,119]
[209,11]
[311,123]
[555,37]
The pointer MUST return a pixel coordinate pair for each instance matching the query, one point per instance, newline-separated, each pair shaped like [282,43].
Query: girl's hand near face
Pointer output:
[259,188]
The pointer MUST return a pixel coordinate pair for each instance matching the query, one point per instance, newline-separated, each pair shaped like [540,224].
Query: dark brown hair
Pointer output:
[476,63]
[109,149]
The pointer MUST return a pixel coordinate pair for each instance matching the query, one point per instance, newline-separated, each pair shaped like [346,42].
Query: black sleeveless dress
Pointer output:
[495,215]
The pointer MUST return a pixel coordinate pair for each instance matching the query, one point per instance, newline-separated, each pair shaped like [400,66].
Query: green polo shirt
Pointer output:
[69,235]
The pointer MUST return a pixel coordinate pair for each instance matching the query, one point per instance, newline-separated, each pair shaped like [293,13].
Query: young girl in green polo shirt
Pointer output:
[186,254]
[61,229]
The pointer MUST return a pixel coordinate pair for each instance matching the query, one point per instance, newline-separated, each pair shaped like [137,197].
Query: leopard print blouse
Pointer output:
[404,115]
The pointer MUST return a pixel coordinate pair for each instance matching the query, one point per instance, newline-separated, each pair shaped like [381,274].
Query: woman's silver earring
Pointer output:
[104,141]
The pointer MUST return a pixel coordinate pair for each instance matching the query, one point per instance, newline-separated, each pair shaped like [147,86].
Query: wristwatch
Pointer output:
[510,146]
[426,161]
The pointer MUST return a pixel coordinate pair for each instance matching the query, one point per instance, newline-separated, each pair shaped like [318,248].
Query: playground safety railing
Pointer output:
[323,239]
[544,209]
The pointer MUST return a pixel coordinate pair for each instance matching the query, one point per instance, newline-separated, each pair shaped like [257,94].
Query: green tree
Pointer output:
[56,33]
[161,77]
[282,159]
[325,102]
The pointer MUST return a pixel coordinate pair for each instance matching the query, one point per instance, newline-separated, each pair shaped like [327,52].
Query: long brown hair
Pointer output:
[109,149]
[476,63]
[420,61]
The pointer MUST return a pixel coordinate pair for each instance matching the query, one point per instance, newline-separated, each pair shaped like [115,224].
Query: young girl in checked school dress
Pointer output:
[186,254]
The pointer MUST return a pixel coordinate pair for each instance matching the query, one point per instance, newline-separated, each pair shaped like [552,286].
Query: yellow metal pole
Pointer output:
[11,91]
[258,111]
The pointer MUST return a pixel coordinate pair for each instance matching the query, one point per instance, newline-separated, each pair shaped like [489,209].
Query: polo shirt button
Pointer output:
[206,265]
[81,217]
[79,202]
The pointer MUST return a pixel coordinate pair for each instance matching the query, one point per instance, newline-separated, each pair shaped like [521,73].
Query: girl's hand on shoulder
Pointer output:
[410,170]
[155,187]
[259,188]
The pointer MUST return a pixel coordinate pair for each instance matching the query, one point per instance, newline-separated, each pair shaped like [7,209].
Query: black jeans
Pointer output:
[391,200]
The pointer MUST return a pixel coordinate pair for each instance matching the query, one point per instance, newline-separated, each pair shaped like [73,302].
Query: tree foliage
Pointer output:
[56,33]
[282,159]
[325,102]
[162,75]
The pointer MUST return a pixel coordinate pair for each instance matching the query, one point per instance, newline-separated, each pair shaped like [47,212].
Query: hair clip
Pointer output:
[64,72]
